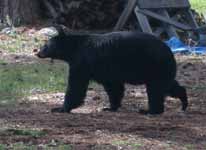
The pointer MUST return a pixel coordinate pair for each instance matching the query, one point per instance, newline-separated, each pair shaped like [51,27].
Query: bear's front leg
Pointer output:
[76,92]
[115,92]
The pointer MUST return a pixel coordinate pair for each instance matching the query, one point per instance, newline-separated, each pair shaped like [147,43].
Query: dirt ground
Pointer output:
[90,128]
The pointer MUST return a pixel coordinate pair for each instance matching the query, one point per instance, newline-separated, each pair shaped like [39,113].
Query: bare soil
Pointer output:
[90,128]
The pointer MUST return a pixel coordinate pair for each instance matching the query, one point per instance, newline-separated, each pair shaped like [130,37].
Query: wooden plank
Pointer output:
[190,18]
[158,31]
[164,19]
[201,30]
[125,15]
[169,29]
[146,4]
[143,21]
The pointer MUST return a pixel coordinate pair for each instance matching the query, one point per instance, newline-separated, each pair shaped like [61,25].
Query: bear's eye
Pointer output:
[51,43]
[46,46]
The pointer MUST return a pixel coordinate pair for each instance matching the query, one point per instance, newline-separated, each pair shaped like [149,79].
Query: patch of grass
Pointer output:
[2,62]
[19,80]
[26,132]
[23,146]
[2,147]
[199,5]
[23,132]
[189,147]
[132,145]
[60,147]
[31,133]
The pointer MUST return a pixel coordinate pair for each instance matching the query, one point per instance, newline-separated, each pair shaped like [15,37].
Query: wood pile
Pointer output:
[84,14]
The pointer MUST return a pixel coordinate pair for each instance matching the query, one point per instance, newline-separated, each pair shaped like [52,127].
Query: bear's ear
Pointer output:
[60,29]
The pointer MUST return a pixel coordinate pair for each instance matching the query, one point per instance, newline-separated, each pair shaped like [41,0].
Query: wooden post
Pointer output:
[125,15]
[169,29]
[158,9]
[190,18]
[143,21]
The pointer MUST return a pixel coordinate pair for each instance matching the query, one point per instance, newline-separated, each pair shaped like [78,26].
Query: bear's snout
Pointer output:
[42,52]
[38,53]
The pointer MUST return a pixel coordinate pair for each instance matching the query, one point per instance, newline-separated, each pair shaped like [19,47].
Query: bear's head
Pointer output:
[60,46]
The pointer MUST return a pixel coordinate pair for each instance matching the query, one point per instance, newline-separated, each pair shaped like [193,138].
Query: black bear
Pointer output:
[113,59]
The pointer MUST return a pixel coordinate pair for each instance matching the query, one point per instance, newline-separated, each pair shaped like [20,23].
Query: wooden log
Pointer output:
[125,15]
[165,19]
[51,9]
[147,4]
[143,21]
[158,31]
[169,29]
[190,18]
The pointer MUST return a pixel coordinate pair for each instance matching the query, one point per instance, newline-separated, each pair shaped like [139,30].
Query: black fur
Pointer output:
[113,59]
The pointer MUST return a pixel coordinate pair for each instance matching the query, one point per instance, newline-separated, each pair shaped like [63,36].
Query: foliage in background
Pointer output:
[20,40]
[199,5]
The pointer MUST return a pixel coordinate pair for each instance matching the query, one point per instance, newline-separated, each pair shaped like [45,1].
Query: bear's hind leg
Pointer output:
[115,92]
[178,91]
[156,97]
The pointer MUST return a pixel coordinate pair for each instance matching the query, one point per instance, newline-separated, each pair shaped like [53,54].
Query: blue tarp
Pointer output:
[177,46]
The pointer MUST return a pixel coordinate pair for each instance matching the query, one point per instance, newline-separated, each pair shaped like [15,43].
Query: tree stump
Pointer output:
[19,11]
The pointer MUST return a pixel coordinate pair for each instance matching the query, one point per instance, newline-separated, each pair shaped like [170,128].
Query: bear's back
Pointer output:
[127,56]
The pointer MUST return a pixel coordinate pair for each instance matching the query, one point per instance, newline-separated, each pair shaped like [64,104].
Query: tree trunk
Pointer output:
[16,12]
[75,14]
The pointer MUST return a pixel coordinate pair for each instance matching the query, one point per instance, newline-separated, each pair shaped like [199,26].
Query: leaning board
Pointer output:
[149,4]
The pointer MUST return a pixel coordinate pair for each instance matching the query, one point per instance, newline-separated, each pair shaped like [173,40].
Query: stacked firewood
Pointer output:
[84,14]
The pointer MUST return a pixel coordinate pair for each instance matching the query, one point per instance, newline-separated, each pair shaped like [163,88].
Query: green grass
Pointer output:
[22,146]
[189,147]
[19,80]
[2,147]
[128,144]
[31,133]
[199,5]
[22,132]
